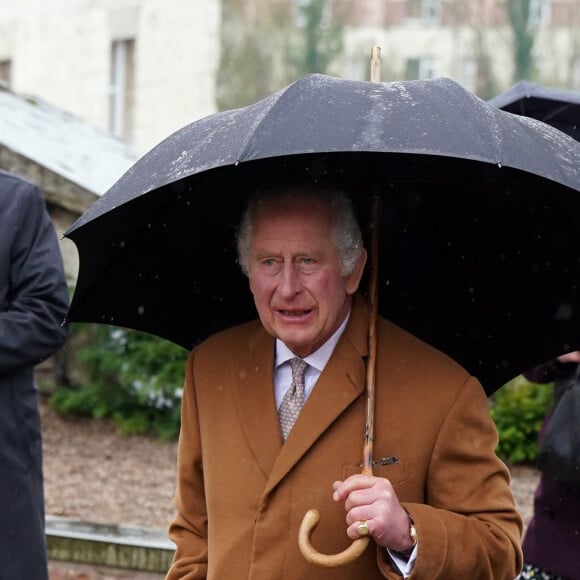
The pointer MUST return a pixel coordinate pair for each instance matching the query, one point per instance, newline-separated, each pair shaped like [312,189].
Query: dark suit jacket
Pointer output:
[241,494]
[33,302]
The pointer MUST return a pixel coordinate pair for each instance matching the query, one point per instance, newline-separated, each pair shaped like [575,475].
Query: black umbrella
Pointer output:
[479,218]
[557,107]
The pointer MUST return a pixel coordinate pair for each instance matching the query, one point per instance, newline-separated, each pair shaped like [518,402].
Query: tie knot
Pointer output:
[298,367]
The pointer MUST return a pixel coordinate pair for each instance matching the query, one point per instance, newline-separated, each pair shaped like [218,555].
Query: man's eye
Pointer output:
[269,262]
[308,265]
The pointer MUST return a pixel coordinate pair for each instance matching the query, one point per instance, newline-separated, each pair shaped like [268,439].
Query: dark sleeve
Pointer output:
[33,289]
[550,371]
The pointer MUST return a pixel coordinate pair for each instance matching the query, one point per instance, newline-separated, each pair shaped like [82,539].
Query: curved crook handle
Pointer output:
[307,526]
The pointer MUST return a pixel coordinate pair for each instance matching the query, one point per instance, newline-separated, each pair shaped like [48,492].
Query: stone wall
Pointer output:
[66,201]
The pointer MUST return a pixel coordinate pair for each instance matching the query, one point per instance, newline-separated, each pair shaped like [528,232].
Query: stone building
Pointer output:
[139,69]
[471,41]
[475,42]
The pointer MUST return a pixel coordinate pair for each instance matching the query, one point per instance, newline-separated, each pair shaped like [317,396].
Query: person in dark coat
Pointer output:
[552,541]
[33,304]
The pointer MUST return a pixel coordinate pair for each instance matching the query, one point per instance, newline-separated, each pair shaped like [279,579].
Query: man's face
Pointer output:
[295,276]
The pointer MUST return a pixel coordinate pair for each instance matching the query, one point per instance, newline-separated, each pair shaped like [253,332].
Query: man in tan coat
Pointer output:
[438,506]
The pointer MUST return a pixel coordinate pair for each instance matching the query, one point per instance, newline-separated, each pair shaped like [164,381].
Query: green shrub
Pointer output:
[132,377]
[518,410]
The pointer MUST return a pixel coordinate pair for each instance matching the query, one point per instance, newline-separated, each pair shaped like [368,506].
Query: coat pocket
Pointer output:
[391,468]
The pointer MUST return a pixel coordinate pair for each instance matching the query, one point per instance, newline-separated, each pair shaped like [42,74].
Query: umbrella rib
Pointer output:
[557,111]
[275,100]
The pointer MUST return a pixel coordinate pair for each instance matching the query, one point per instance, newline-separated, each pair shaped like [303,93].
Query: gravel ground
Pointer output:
[524,482]
[93,474]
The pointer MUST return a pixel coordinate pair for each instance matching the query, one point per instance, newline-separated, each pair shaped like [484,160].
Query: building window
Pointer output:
[305,10]
[576,73]
[539,14]
[122,88]
[427,11]
[420,68]
[6,73]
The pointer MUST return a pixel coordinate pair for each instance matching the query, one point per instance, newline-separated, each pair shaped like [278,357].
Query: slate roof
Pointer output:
[62,143]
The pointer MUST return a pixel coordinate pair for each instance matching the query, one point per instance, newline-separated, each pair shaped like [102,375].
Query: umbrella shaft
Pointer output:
[373,315]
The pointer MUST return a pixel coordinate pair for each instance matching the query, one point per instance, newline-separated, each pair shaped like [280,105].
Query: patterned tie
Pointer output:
[293,400]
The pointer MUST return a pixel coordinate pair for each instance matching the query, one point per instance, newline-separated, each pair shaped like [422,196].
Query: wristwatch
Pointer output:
[406,554]
[413,532]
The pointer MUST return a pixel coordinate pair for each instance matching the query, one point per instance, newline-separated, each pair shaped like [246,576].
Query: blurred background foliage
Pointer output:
[133,378]
[518,410]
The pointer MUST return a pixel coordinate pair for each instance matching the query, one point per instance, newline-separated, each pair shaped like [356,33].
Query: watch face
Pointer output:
[413,533]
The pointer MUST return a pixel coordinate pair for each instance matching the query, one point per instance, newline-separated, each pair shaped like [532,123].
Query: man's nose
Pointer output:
[290,282]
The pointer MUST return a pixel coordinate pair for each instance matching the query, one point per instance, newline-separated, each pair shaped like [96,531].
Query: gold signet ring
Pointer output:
[363,529]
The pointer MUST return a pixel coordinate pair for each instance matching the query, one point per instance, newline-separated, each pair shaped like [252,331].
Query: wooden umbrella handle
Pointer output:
[312,556]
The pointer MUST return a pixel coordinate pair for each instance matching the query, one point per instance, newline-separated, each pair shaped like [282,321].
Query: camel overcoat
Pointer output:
[242,494]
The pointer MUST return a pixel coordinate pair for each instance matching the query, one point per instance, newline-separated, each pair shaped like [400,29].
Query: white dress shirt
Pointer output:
[316,363]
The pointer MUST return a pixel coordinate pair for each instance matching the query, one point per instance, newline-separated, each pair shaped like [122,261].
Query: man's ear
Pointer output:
[353,279]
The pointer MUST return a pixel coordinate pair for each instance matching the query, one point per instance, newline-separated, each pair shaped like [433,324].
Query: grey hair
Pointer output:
[346,233]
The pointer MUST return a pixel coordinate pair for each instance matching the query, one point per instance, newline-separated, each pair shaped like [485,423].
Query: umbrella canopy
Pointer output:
[479,218]
[557,107]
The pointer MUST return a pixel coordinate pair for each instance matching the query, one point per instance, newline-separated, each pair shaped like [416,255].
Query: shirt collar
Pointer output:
[318,358]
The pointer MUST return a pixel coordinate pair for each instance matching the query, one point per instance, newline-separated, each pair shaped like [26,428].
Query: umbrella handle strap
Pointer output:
[307,526]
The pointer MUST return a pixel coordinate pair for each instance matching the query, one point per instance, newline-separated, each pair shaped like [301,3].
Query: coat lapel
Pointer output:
[341,383]
[256,403]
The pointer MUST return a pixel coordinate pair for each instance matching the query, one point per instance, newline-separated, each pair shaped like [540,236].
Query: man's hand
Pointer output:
[374,501]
